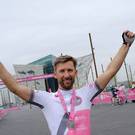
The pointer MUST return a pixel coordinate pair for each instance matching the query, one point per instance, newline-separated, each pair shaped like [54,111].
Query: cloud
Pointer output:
[32,29]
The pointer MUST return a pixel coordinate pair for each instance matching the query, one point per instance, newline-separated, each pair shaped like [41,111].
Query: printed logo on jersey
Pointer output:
[78,101]
[82,122]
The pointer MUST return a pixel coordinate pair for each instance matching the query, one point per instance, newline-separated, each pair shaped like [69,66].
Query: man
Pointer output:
[68,110]
[114,95]
[116,99]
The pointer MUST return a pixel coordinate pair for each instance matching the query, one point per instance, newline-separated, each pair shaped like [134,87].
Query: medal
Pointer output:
[71,127]
[71,124]
[71,121]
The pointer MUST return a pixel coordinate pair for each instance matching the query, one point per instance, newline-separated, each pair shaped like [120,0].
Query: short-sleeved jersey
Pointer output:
[54,112]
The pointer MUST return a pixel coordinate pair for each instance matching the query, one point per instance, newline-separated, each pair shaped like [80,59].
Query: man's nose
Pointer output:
[66,74]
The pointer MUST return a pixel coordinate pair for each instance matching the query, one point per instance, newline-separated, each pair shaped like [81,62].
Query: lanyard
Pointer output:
[72,109]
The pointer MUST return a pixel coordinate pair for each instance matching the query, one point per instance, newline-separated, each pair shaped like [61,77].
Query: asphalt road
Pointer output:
[105,119]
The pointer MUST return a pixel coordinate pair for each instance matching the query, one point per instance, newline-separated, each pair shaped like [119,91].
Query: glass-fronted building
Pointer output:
[47,63]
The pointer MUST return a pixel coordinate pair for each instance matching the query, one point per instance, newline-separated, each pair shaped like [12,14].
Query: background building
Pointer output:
[47,68]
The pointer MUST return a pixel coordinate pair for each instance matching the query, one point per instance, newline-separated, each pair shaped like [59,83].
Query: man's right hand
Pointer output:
[128,37]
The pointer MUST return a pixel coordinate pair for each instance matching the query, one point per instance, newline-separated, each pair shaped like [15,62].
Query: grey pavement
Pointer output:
[113,120]
[105,119]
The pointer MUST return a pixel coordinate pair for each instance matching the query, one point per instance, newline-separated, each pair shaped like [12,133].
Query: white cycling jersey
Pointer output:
[54,112]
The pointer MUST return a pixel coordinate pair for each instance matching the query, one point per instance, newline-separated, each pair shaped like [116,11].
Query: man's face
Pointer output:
[65,73]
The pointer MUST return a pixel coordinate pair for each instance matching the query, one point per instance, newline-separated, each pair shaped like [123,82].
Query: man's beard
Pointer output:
[66,86]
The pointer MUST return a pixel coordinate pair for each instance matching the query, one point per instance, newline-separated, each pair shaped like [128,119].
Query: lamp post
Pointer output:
[94,60]
[115,79]
[92,73]
[127,74]
[102,68]
[131,73]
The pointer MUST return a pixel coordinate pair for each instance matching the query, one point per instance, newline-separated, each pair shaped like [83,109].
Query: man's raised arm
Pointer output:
[21,91]
[114,66]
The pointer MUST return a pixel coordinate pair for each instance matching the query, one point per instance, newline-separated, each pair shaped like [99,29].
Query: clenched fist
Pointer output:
[128,37]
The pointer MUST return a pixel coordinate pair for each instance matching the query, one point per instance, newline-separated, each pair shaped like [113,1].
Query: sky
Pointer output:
[32,29]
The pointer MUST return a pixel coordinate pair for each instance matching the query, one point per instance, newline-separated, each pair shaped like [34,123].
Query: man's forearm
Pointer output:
[114,66]
[117,61]
[21,91]
[7,78]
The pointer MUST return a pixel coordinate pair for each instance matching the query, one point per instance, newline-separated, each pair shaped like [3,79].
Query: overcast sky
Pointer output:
[31,29]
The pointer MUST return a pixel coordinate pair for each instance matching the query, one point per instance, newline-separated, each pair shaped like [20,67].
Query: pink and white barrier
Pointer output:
[106,97]
[12,108]
[131,94]
[96,100]
[122,96]
[2,114]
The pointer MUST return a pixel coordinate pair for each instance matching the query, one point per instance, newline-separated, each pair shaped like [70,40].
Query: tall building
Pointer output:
[47,63]
[38,67]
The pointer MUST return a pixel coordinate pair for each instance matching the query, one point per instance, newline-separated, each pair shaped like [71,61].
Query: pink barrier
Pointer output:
[12,108]
[106,97]
[96,100]
[131,94]
[2,114]
[5,111]
[122,96]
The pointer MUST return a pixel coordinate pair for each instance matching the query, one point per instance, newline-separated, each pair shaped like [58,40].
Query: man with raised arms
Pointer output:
[68,110]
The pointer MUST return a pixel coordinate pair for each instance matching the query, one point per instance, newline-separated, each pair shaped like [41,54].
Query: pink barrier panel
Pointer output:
[121,94]
[131,94]
[12,108]
[96,100]
[9,109]
[106,97]
[2,114]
